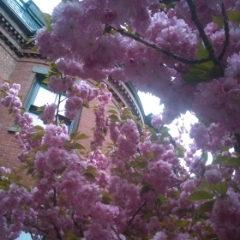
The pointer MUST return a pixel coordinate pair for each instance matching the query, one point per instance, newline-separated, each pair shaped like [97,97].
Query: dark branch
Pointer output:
[39,229]
[54,197]
[59,237]
[159,49]
[79,227]
[136,213]
[200,28]
[203,35]
[115,232]
[226,29]
[237,145]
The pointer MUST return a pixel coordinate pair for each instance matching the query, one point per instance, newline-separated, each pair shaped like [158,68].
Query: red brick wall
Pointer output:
[19,71]
[7,62]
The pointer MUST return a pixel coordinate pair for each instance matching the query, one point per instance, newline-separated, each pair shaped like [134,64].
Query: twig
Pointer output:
[115,232]
[159,49]
[77,226]
[237,145]
[31,235]
[203,35]
[54,197]
[200,28]
[139,209]
[226,29]
[39,229]
[63,99]
[57,232]
[59,99]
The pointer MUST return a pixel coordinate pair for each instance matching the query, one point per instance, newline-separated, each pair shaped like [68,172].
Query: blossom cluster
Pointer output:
[146,185]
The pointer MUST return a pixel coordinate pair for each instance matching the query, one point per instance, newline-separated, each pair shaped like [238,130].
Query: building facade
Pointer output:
[19,21]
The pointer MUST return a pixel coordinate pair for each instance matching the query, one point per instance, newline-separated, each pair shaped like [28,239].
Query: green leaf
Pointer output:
[81,137]
[207,228]
[205,156]
[180,223]
[78,136]
[218,20]
[200,195]
[151,155]
[221,159]
[43,148]
[31,155]
[37,136]
[165,132]
[195,76]
[114,118]
[34,48]
[207,206]
[180,150]
[86,104]
[221,188]
[113,111]
[234,15]
[118,170]
[71,235]
[154,134]
[135,174]
[141,164]
[75,145]
[38,128]
[120,105]
[227,161]
[46,17]
[23,168]
[40,109]
[92,170]
[61,170]
[126,113]
[89,176]
[106,198]
[46,80]
[211,237]
[145,189]
[202,52]
[214,73]
[140,158]
[233,162]
[162,199]
[30,41]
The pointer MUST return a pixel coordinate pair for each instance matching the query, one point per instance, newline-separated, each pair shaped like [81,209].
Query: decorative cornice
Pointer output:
[18,43]
[130,95]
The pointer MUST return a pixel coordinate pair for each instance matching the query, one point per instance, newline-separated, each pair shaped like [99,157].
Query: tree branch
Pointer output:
[59,101]
[159,49]
[54,197]
[226,29]
[77,226]
[115,232]
[39,229]
[203,35]
[57,232]
[139,209]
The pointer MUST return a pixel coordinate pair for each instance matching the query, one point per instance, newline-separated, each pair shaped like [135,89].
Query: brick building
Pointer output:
[19,20]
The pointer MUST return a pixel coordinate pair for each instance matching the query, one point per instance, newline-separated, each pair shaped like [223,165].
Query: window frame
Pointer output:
[33,91]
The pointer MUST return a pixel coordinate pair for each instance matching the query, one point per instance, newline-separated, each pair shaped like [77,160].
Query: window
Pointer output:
[40,94]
